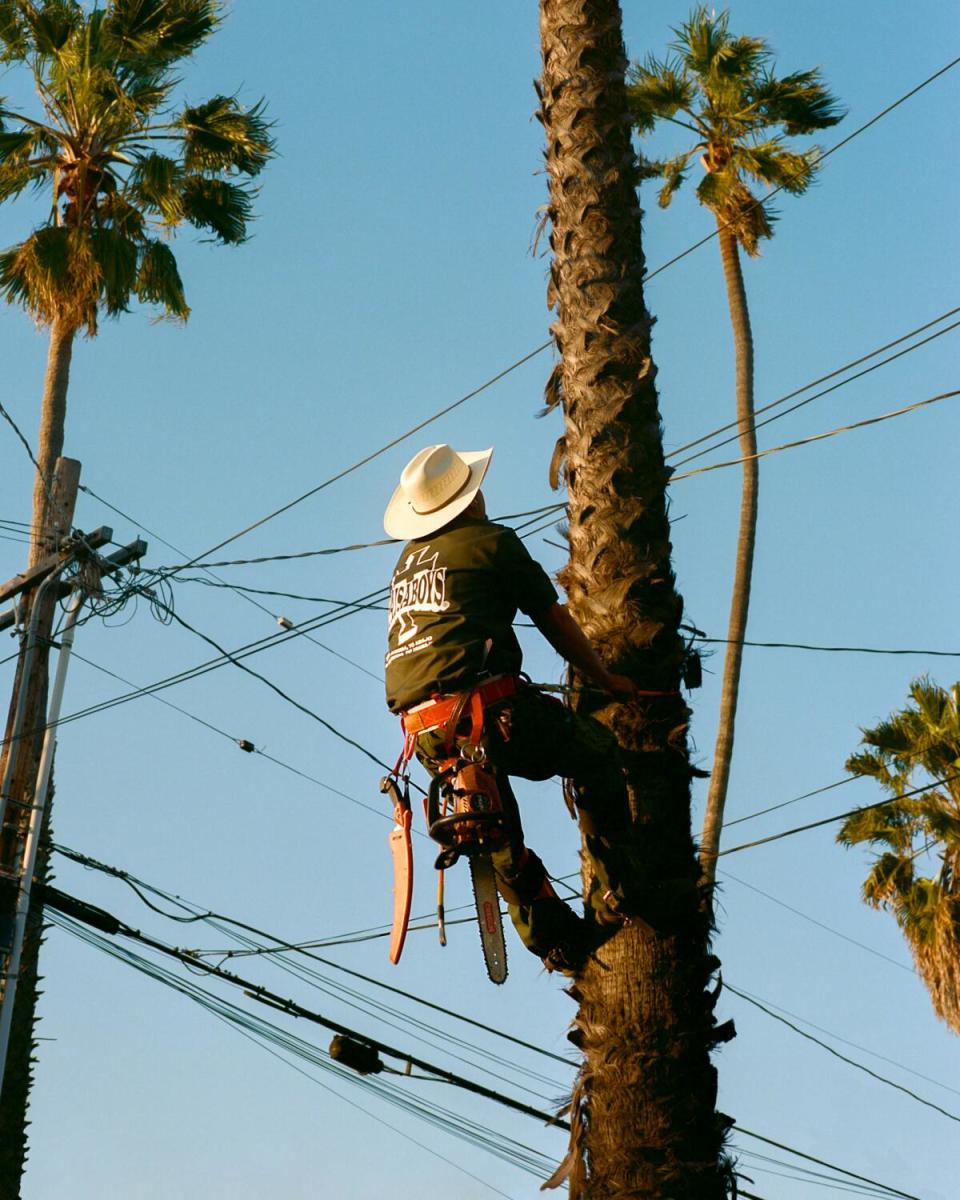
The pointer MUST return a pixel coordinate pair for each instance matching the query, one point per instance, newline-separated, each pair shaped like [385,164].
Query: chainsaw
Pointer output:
[465,816]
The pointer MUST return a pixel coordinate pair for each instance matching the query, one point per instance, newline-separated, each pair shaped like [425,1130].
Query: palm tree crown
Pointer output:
[732,102]
[121,165]
[924,738]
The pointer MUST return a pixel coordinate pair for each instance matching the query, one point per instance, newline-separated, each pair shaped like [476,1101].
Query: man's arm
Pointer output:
[568,639]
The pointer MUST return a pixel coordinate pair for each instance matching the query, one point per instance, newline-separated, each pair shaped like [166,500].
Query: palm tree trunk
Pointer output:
[746,538]
[48,525]
[642,1113]
[53,412]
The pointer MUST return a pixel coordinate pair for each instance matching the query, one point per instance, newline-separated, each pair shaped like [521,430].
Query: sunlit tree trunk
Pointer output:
[53,413]
[746,538]
[643,1113]
[21,1055]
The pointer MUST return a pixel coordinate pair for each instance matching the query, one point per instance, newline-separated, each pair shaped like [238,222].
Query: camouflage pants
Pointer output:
[533,736]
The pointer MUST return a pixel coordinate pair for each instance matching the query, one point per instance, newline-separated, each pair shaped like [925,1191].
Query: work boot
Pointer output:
[648,905]
[570,954]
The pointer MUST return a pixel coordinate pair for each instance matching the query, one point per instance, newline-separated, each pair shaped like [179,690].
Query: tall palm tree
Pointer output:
[721,89]
[121,166]
[643,1110]
[919,745]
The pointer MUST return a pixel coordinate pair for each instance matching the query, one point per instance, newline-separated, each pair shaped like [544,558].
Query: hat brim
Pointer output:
[402,521]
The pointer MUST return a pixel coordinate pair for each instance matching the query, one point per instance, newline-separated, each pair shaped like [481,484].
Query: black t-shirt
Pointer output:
[450,595]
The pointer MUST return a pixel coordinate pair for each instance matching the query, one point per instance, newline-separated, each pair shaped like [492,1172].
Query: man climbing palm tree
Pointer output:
[455,591]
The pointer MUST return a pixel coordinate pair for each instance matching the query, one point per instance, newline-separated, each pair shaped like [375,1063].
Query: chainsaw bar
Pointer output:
[488,916]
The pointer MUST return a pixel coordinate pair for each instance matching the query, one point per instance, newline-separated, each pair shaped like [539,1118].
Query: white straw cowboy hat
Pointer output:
[436,485]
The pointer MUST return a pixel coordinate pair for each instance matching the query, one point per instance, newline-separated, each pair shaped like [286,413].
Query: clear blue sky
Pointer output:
[391,272]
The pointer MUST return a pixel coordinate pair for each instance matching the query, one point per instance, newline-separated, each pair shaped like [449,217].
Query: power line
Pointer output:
[891,1191]
[241,592]
[266,1034]
[243,743]
[101,920]
[26,445]
[817,395]
[833,149]
[819,924]
[237,587]
[107,923]
[826,649]
[376,453]
[817,437]
[866,1050]
[762,812]
[836,1053]
[284,946]
[537,350]
[775,837]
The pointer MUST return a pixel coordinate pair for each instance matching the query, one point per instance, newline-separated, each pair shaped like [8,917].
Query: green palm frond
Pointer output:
[890,882]
[735,105]
[674,171]
[740,58]
[104,74]
[116,212]
[161,31]
[221,135]
[701,40]
[894,825]
[155,184]
[223,208]
[159,282]
[876,766]
[116,259]
[53,275]
[749,218]
[14,38]
[657,90]
[769,163]
[51,23]
[799,102]
[923,738]
[15,178]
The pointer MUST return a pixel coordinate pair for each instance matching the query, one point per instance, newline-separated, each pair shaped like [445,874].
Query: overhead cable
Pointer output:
[241,592]
[107,923]
[826,649]
[836,1053]
[539,349]
[100,919]
[820,925]
[775,837]
[280,1044]
[817,437]
[282,946]
[890,1191]
[826,154]
[865,1049]
[755,425]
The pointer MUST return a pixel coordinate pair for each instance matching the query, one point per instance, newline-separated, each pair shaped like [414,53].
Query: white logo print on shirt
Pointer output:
[425,591]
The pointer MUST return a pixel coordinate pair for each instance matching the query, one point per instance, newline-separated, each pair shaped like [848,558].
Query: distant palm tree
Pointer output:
[122,168]
[731,101]
[923,739]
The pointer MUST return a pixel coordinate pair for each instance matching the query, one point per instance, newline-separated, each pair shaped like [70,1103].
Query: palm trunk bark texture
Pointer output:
[746,539]
[52,518]
[53,414]
[643,1110]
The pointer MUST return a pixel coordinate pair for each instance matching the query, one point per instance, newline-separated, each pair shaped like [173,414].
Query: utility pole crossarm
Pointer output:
[27,579]
[109,565]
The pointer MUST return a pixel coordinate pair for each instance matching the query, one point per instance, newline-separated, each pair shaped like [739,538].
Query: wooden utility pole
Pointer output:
[19,761]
